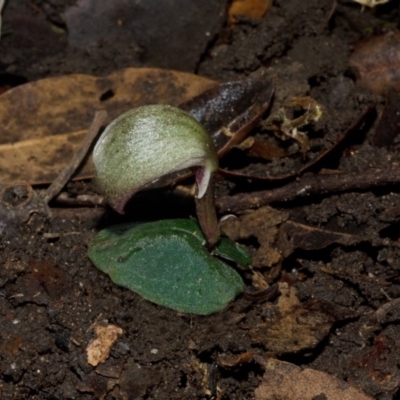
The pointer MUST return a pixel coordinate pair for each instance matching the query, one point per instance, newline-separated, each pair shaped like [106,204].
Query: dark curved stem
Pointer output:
[207,215]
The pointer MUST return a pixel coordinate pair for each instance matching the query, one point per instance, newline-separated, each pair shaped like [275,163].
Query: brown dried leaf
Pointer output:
[291,326]
[287,381]
[43,123]
[98,348]
[377,62]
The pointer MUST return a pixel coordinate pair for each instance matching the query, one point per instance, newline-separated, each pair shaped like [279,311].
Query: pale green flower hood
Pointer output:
[146,143]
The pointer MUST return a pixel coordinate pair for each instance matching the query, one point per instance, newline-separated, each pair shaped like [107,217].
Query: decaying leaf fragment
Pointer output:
[99,348]
[291,326]
[287,381]
[286,127]
[262,224]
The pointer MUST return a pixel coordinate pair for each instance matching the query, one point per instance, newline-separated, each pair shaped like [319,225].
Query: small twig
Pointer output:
[76,160]
[81,200]
[311,184]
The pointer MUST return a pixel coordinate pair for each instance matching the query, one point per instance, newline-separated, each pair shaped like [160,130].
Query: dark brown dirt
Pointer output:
[51,295]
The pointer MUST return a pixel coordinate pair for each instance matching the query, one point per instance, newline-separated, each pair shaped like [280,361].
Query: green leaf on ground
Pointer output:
[166,262]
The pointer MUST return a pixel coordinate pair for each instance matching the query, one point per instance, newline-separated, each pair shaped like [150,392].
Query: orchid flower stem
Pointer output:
[207,216]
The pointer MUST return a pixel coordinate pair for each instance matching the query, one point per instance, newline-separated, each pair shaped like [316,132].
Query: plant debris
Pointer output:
[99,347]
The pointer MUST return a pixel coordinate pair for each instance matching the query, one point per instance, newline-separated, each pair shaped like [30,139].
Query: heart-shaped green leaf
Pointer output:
[166,262]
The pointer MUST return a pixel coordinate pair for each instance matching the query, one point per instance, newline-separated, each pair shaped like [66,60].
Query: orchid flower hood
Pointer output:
[147,143]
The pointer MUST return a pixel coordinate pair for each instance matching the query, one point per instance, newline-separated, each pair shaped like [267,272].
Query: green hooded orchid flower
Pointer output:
[148,142]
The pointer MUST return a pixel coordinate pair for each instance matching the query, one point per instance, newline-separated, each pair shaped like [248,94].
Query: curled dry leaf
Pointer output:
[377,62]
[287,381]
[37,149]
[286,127]
[99,348]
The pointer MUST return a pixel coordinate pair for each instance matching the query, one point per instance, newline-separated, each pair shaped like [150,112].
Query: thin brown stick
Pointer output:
[76,160]
[81,200]
[312,184]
